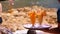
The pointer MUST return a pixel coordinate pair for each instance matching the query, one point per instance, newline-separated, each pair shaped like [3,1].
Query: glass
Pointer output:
[40,15]
[32,17]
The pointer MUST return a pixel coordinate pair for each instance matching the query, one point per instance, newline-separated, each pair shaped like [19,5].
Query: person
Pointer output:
[0,11]
[11,3]
[0,7]
[58,18]
[3,30]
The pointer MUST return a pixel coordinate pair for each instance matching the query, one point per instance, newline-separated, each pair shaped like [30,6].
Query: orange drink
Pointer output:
[32,17]
[40,17]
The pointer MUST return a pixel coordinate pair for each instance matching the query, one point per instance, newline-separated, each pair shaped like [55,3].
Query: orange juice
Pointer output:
[41,14]
[32,17]
[40,17]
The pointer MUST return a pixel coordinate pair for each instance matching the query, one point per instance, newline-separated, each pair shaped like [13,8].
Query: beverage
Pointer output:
[40,17]
[32,17]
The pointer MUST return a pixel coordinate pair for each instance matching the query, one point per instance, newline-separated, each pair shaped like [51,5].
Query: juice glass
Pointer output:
[40,17]
[41,14]
[32,17]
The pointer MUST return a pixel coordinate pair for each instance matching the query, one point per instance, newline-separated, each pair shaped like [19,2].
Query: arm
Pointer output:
[0,8]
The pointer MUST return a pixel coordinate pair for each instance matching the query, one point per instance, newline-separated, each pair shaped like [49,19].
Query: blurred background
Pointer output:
[23,3]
